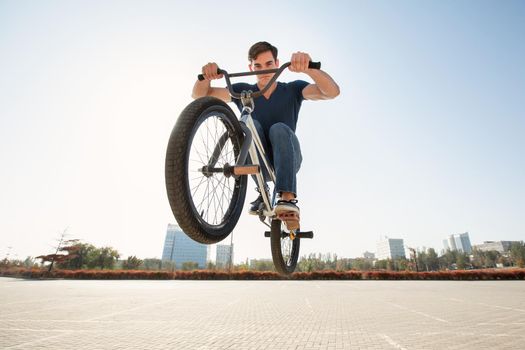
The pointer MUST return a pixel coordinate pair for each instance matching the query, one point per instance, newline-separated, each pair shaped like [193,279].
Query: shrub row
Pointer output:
[458,275]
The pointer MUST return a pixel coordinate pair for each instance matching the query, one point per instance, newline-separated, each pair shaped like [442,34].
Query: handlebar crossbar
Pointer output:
[277,71]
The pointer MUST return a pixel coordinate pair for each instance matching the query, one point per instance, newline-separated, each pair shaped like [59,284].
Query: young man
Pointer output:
[276,113]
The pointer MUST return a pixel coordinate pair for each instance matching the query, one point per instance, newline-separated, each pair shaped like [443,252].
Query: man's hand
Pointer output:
[299,62]
[210,71]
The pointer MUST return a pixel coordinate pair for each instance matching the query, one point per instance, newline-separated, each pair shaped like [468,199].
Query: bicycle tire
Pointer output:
[284,264]
[177,171]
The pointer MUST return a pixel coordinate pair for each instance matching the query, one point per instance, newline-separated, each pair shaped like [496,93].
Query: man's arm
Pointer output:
[325,87]
[203,88]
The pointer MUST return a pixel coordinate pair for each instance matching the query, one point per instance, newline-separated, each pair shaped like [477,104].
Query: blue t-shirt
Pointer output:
[282,106]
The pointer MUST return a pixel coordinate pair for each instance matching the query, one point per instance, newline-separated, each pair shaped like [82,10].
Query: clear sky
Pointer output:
[425,140]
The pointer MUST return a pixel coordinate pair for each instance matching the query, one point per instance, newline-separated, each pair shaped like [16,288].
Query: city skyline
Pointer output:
[393,247]
[424,140]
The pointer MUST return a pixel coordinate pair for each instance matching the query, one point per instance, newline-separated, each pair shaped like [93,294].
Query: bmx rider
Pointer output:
[275,115]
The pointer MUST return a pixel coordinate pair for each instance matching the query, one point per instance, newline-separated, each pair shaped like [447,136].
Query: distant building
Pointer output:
[180,248]
[449,243]
[224,255]
[390,248]
[459,242]
[368,255]
[499,246]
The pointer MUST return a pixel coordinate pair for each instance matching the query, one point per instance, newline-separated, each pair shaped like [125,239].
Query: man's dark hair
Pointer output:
[260,47]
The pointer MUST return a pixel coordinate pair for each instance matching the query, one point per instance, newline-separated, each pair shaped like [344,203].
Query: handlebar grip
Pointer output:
[201,77]
[314,65]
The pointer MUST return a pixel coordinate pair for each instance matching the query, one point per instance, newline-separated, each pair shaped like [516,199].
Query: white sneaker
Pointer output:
[286,206]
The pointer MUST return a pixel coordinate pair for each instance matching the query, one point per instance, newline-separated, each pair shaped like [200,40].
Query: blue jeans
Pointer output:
[284,152]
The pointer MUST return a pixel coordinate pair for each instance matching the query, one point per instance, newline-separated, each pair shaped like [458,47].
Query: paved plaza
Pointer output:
[71,314]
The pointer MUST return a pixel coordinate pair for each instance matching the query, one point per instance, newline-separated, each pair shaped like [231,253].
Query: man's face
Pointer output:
[265,60]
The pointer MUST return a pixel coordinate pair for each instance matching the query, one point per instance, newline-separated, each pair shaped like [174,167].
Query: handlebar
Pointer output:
[277,71]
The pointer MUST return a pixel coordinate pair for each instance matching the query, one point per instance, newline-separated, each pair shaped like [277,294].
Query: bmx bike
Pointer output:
[207,173]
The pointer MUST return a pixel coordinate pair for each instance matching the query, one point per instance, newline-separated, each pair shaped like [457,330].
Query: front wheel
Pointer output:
[285,248]
[205,200]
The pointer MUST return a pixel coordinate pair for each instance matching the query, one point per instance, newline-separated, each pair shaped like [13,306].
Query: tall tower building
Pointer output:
[180,248]
[390,248]
[224,255]
[459,242]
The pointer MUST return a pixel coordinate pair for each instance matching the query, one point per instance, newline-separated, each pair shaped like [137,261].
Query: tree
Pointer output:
[401,264]
[478,258]
[361,264]
[381,264]
[190,265]
[152,264]
[448,259]
[492,258]
[262,265]
[344,264]
[422,261]
[461,260]
[311,263]
[517,253]
[242,266]
[484,259]
[52,258]
[390,265]
[132,263]
[504,260]
[168,265]
[78,255]
[104,258]
[432,260]
[428,260]
[29,262]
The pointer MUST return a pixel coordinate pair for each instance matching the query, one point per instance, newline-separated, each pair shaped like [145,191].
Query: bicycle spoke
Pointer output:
[215,197]
[219,200]
[212,195]
[223,212]
[200,157]
[214,201]
[197,187]
[204,198]
[198,177]
[223,194]
[287,249]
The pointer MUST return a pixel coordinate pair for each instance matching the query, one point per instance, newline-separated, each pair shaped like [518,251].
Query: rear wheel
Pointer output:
[205,201]
[285,248]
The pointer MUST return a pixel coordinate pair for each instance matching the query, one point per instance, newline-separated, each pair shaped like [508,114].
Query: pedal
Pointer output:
[308,234]
[298,234]
[245,169]
[290,219]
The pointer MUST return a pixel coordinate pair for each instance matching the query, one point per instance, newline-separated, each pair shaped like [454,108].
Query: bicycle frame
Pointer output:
[252,143]
[255,149]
